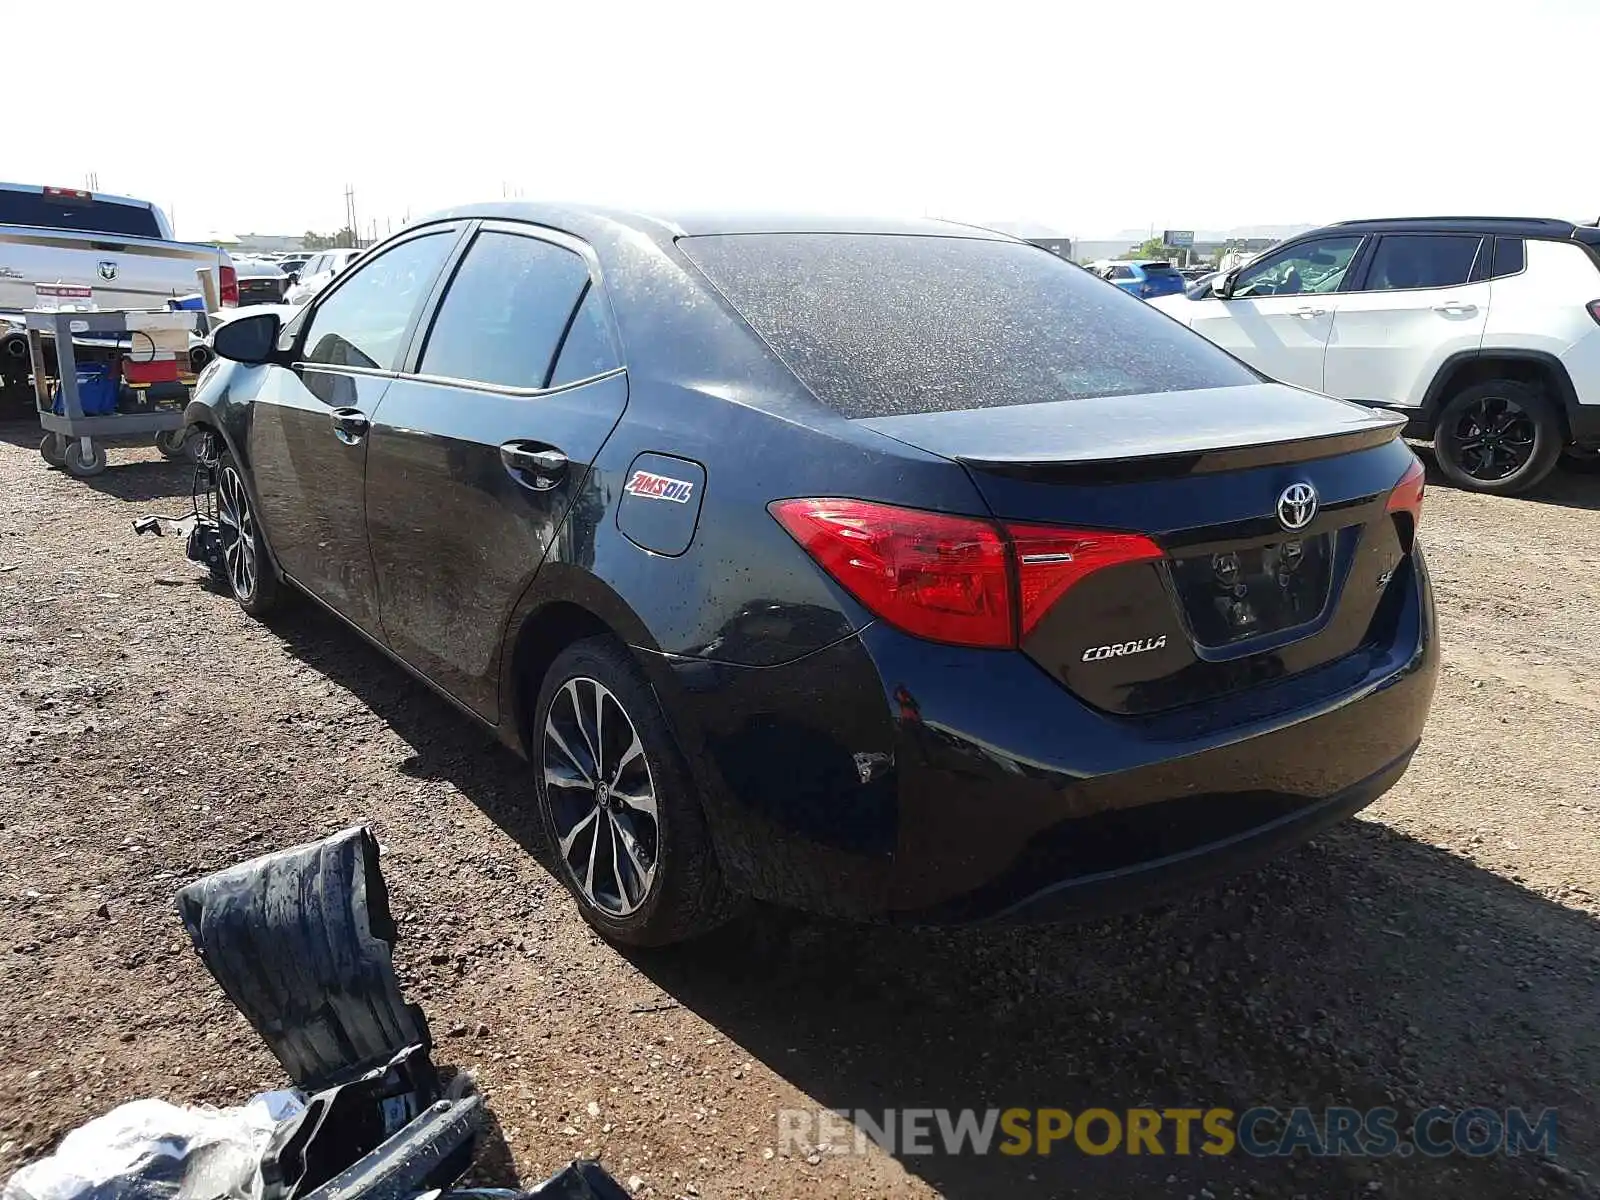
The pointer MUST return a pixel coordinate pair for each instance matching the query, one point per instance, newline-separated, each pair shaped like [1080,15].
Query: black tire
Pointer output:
[251,571]
[684,895]
[82,466]
[52,451]
[176,443]
[1500,437]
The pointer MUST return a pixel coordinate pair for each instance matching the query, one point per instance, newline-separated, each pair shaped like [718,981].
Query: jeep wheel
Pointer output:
[1500,437]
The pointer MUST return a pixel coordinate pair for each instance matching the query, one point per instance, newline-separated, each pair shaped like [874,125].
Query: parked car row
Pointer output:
[288,279]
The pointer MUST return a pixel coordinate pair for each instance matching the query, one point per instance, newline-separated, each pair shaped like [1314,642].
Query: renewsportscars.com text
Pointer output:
[1261,1132]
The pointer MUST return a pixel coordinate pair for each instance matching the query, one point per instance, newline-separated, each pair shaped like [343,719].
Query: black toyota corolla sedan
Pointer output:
[885,569]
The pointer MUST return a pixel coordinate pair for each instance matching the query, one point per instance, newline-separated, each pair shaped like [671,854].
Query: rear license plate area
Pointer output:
[1240,593]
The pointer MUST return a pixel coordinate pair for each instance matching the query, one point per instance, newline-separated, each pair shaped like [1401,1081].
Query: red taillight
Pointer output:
[62,193]
[947,578]
[228,285]
[1407,494]
[1594,310]
[1049,561]
[936,576]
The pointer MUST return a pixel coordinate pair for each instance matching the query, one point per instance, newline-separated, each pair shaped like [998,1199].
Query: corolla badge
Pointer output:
[1121,649]
[1297,505]
[108,269]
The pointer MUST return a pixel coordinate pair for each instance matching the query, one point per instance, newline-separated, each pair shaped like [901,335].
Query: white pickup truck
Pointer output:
[63,247]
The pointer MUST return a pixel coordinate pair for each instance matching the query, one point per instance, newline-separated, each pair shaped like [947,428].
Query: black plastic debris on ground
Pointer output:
[300,940]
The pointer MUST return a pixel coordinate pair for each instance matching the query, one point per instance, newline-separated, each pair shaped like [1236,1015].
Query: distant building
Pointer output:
[1211,251]
[266,243]
[1059,246]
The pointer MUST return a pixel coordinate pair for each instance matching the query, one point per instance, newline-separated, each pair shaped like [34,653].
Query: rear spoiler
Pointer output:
[1195,462]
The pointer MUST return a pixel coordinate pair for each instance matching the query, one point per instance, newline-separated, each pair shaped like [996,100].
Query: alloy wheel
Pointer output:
[601,796]
[238,532]
[1494,438]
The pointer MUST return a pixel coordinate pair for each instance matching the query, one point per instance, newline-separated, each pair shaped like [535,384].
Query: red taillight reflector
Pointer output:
[1049,561]
[960,580]
[1594,310]
[1407,494]
[939,577]
[228,285]
[69,193]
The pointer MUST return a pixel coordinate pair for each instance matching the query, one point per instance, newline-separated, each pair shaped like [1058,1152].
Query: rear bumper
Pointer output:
[885,776]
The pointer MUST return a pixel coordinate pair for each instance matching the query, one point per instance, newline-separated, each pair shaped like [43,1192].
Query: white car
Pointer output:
[1484,332]
[317,271]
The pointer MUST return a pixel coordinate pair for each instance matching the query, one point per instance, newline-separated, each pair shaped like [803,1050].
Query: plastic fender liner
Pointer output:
[300,942]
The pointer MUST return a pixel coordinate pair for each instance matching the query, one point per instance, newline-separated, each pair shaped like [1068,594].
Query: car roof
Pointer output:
[667,225]
[1543,227]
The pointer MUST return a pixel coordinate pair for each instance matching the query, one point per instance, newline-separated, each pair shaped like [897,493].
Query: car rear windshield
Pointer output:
[881,325]
[93,216]
[1157,268]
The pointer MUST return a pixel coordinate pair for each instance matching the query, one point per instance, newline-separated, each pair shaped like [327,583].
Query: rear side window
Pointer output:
[1510,257]
[879,325]
[506,311]
[64,212]
[1404,261]
[1120,272]
[588,349]
[363,322]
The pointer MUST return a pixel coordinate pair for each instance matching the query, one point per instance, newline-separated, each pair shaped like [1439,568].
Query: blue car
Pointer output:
[1144,279]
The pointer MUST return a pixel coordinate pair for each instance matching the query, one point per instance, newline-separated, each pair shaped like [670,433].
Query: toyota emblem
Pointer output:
[1297,506]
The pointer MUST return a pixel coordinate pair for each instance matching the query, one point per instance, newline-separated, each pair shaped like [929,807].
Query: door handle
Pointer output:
[540,468]
[1308,312]
[350,425]
[1456,308]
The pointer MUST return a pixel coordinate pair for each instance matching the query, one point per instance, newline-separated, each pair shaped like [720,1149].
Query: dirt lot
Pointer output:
[1441,950]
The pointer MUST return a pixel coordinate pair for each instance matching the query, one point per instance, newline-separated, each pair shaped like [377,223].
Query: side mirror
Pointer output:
[1222,289]
[252,339]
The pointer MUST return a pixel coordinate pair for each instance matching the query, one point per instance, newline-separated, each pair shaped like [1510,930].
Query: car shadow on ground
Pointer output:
[1569,487]
[139,481]
[1566,487]
[1367,970]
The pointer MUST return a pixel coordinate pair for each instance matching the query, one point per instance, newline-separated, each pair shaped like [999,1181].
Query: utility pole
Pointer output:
[350,221]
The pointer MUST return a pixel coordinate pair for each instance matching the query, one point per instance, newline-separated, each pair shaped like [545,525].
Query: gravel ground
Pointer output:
[1443,949]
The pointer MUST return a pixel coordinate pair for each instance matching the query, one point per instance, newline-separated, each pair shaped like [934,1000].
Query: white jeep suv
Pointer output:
[1484,331]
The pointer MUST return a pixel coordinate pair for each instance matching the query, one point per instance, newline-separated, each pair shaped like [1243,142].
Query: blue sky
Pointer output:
[1091,118]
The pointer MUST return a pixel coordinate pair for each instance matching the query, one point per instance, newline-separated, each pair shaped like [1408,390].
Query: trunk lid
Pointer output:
[1270,506]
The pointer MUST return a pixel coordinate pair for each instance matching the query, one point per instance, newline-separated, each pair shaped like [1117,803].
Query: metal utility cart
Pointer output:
[70,435]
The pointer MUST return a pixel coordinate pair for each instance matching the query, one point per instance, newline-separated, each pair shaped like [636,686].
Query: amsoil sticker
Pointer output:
[659,487]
